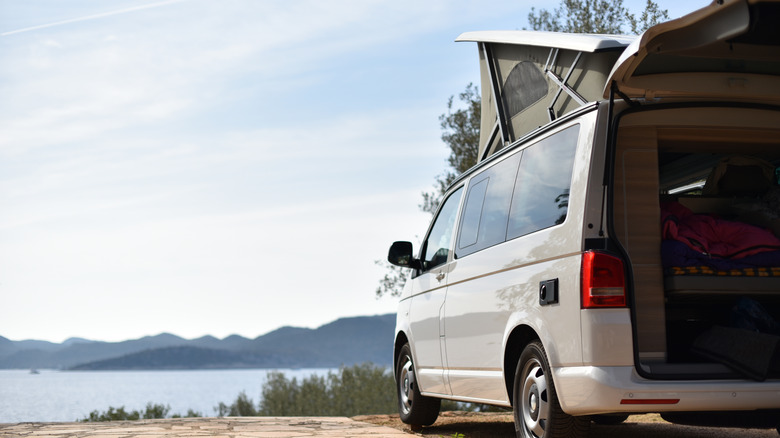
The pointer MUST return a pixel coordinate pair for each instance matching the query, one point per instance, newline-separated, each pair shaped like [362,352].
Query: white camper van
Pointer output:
[616,249]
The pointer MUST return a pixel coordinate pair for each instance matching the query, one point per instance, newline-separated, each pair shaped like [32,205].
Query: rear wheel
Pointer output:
[537,412]
[413,407]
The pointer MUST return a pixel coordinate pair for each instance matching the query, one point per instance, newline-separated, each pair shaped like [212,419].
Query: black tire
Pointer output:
[609,419]
[537,412]
[414,408]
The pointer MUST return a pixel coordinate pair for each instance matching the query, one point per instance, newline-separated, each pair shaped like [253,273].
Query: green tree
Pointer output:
[280,395]
[119,414]
[460,132]
[190,414]
[355,390]
[393,281]
[596,16]
[242,407]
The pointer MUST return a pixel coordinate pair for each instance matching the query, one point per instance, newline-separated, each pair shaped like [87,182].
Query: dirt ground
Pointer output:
[458,424]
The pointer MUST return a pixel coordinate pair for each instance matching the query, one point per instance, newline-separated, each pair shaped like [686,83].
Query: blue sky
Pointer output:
[201,167]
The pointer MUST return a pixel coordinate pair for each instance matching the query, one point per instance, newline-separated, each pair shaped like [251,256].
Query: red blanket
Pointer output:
[713,236]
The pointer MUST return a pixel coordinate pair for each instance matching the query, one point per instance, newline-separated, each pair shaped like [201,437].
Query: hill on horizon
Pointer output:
[345,341]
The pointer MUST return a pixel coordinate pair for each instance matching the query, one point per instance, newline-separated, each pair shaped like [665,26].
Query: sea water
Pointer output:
[53,395]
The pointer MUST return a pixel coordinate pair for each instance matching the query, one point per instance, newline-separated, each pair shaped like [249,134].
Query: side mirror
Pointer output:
[400,254]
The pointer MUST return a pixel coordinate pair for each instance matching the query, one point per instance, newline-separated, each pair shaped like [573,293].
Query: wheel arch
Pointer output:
[400,340]
[516,342]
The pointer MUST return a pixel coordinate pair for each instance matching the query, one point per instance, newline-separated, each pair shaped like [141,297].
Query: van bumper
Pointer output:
[587,390]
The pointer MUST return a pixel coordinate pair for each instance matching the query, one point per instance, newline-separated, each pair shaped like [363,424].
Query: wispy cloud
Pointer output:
[90,17]
[216,149]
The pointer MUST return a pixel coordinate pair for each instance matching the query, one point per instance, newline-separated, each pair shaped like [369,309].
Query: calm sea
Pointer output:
[72,395]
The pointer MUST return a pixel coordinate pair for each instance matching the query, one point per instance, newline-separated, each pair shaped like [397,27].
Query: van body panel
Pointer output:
[605,340]
[591,390]
[424,329]
[478,312]
[428,291]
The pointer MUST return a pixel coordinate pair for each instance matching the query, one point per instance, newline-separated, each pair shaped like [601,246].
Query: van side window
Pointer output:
[472,212]
[437,246]
[487,207]
[541,196]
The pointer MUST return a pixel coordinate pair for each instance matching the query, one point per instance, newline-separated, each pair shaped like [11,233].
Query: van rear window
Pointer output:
[541,196]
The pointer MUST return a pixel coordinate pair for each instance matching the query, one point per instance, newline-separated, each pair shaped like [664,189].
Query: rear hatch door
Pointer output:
[729,50]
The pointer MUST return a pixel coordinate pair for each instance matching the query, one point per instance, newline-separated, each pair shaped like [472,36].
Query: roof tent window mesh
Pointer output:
[524,86]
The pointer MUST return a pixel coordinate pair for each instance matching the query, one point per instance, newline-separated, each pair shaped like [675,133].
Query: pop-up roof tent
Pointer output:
[729,50]
[531,78]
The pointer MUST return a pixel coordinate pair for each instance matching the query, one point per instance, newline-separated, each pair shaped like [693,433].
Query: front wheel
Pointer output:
[414,408]
[537,412]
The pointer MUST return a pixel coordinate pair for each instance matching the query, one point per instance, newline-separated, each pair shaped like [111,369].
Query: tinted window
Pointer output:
[437,246]
[487,207]
[472,212]
[541,195]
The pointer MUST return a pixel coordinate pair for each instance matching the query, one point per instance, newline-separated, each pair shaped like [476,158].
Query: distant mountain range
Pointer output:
[346,341]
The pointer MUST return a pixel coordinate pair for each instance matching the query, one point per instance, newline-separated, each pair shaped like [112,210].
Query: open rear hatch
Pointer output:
[729,50]
[705,88]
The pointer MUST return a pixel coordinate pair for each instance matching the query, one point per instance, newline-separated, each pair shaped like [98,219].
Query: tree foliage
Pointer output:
[153,411]
[362,389]
[393,281]
[460,132]
[356,390]
[596,16]
[242,407]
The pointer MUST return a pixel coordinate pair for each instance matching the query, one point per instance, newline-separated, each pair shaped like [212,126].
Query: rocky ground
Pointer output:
[500,425]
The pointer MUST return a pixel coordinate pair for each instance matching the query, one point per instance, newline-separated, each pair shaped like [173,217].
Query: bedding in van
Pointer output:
[679,259]
[701,244]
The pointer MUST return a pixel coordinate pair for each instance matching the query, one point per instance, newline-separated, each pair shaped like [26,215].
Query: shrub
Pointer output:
[119,414]
[355,390]
[190,414]
[242,407]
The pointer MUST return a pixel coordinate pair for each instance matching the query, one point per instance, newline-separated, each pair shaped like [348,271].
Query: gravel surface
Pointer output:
[500,425]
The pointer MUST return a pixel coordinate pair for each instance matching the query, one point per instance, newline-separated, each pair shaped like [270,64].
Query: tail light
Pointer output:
[603,281]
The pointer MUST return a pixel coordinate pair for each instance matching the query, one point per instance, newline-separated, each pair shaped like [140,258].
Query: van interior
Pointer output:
[696,206]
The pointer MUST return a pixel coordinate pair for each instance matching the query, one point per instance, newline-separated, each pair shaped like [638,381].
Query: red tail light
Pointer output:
[603,281]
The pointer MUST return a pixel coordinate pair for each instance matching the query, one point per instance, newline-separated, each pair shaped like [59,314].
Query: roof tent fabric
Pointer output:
[525,76]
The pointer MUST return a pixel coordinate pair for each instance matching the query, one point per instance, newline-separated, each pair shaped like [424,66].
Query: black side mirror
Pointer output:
[400,254]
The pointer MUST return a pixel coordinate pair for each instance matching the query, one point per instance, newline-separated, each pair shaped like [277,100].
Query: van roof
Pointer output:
[530,78]
[568,41]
